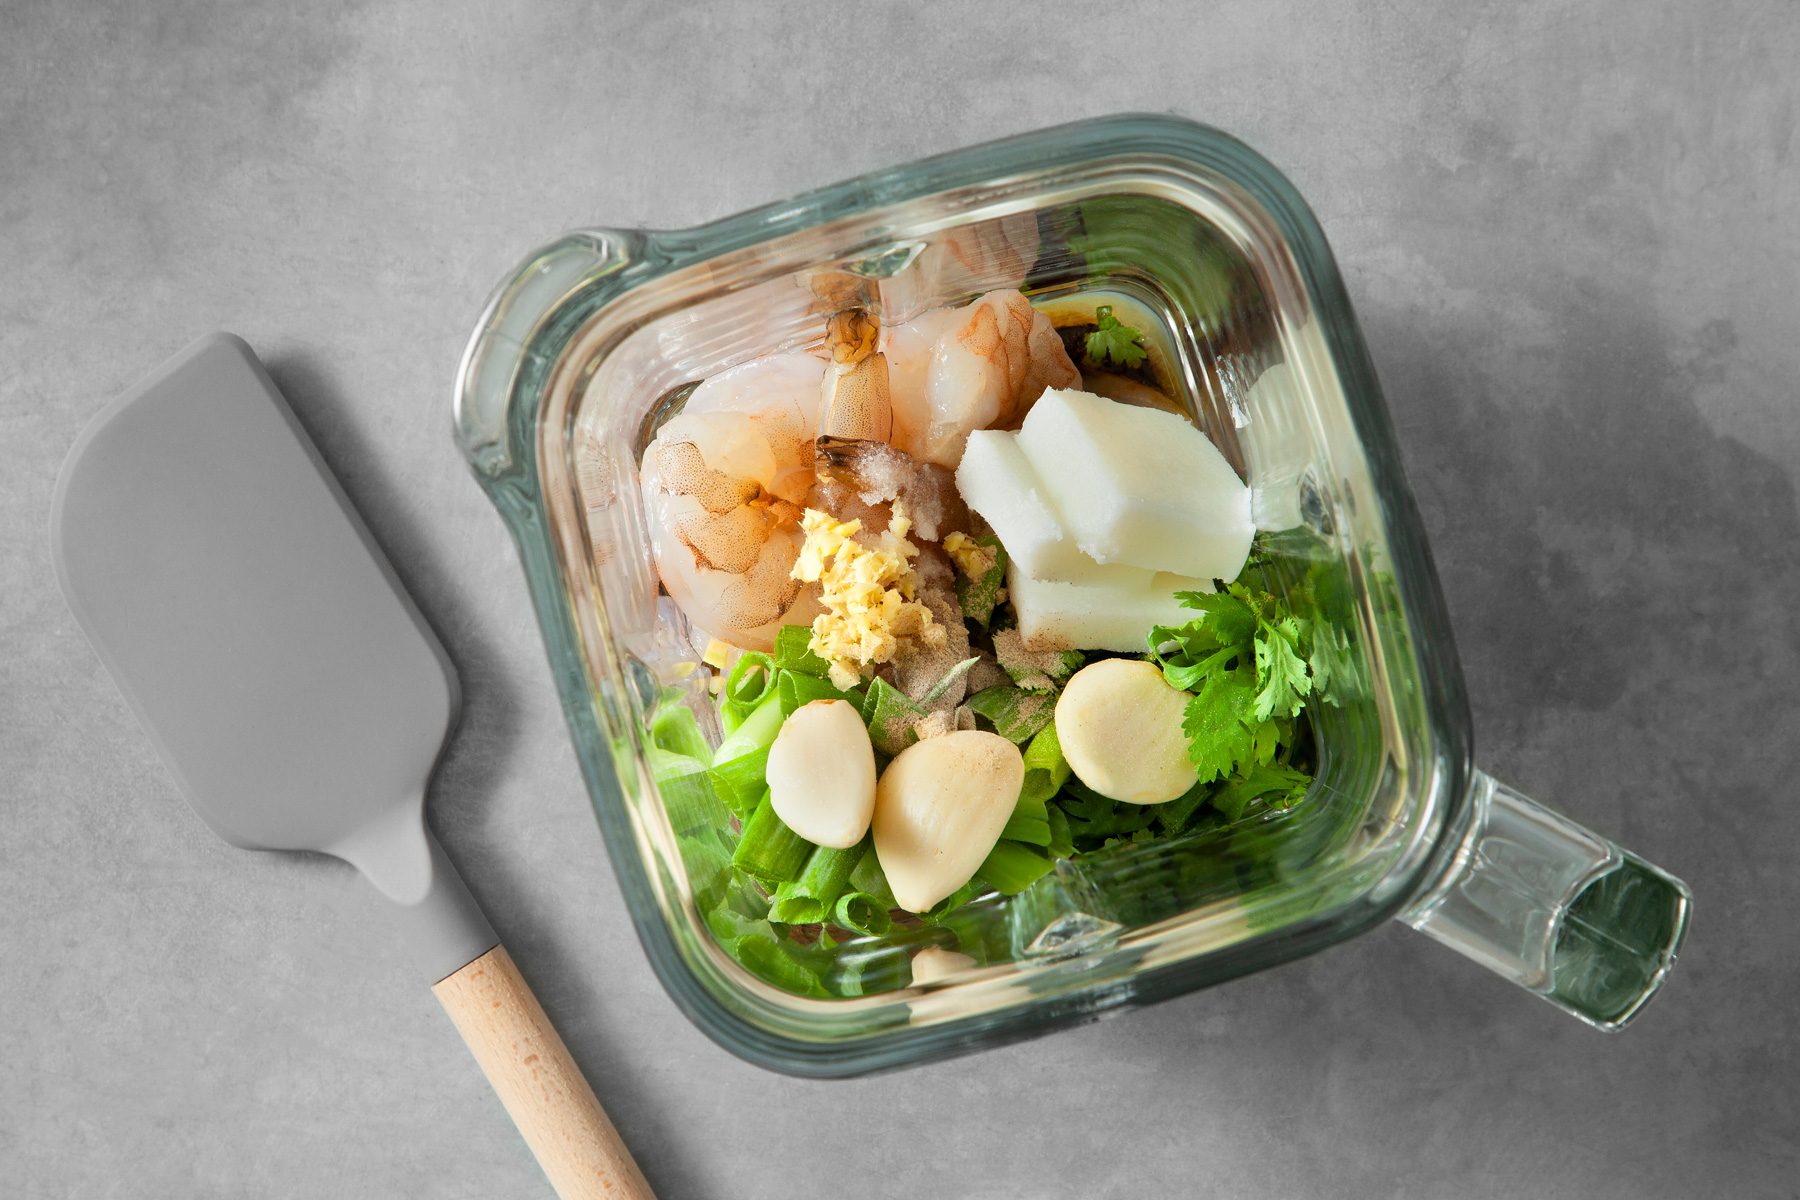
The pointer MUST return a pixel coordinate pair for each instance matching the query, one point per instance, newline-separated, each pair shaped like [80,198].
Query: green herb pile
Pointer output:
[1251,660]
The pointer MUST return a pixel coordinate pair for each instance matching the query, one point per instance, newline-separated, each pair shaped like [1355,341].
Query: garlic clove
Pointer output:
[939,808]
[821,774]
[1119,724]
[934,963]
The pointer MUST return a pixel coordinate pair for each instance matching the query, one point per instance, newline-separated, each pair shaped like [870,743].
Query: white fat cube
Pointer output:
[1138,487]
[997,481]
[1103,608]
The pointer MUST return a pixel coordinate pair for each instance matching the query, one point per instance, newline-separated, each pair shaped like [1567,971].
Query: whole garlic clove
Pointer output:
[939,808]
[934,963]
[821,774]
[1119,724]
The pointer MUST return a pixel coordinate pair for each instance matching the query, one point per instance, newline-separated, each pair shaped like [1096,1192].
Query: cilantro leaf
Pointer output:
[1214,723]
[1189,653]
[1222,633]
[1233,622]
[1266,740]
[1280,668]
[1320,662]
[1244,656]
[1229,616]
[1113,340]
[1324,602]
[1189,675]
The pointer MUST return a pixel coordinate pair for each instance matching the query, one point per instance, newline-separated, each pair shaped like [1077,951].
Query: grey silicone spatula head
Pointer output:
[249,619]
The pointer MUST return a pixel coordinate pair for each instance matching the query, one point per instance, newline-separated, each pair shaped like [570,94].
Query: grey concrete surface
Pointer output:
[1571,233]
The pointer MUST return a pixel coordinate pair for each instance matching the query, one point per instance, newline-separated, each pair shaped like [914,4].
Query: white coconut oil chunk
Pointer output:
[997,481]
[1135,486]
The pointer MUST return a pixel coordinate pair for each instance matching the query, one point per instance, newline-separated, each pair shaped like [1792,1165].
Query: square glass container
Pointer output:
[595,339]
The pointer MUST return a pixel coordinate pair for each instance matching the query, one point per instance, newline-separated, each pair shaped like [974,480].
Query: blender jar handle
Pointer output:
[1561,912]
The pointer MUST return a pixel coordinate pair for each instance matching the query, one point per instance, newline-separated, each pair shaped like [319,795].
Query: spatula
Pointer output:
[297,695]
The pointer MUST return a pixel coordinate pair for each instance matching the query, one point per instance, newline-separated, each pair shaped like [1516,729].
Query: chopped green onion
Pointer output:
[889,713]
[797,690]
[1062,841]
[936,691]
[862,913]
[808,900]
[1045,773]
[1015,713]
[870,969]
[793,651]
[768,851]
[678,757]
[756,732]
[1034,677]
[708,860]
[691,801]
[752,680]
[1010,868]
[675,729]
[869,879]
[1046,770]
[666,764]
[1030,822]
[782,963]
[955,900]
[741,782]
[742,759]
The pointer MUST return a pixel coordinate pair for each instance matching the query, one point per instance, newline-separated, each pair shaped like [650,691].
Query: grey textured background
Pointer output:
[1570,230]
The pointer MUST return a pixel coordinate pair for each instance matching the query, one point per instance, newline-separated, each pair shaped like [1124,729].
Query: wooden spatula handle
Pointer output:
[540,1085]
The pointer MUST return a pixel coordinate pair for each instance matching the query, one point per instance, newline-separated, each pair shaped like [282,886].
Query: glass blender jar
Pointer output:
[596,337]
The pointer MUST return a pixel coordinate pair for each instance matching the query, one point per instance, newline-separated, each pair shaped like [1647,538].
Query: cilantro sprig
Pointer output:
[1246,662]
[1114,341]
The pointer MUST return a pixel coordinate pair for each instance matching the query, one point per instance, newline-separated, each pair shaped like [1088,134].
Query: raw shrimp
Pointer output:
[780,392]
[860,471]
[909,349]
[953,371]
[990,254]
[964,261]
[723,483]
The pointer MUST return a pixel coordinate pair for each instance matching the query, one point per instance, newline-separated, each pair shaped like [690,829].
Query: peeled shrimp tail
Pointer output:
[854,399]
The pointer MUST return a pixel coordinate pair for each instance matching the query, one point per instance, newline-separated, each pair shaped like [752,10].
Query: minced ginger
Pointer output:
[872,614]
[971,557]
